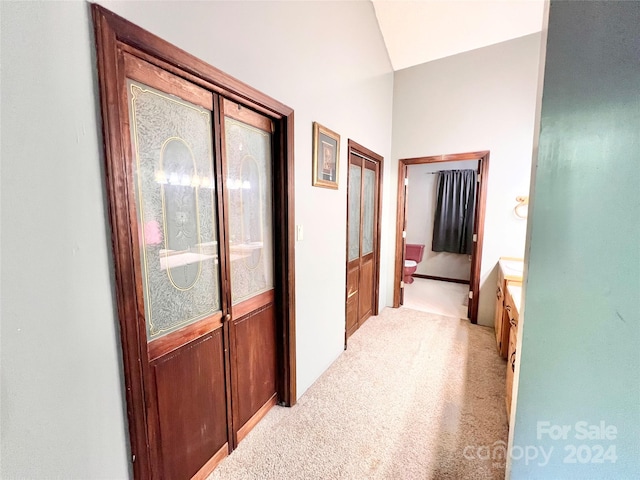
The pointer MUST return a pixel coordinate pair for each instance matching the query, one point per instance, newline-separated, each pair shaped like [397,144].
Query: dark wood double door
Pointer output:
[202,182]
[191,199]
[363,206]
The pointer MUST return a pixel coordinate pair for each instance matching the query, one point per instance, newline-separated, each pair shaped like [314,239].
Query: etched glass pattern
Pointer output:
[174,187]
[355,176]
[248,152]
[368,205]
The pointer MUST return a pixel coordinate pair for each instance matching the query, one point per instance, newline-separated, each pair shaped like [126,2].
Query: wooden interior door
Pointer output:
[206,266]
[207,318]
[174,212]
[362,239]
[247,149]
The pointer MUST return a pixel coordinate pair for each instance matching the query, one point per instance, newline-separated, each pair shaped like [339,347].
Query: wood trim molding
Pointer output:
[151,47]
[114,35]
[284,205]
[223,226]
[440,279]
[235,110]
[400,241]
[482,157]
[173,340]
[241,309]
[454,157]
[213,462]
[476,258]
[252,422]
[137,69]
[131,333]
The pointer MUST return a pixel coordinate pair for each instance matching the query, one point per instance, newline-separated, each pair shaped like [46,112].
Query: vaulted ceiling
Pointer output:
[420,31]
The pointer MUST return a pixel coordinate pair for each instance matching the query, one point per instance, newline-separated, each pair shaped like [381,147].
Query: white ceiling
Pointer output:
[419,31]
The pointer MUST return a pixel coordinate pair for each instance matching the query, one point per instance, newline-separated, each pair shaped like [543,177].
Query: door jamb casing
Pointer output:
[401,225]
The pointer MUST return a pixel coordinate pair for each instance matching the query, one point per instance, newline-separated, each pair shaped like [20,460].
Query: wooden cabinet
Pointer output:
[508,293]
[511,307]
[511,368]
[509,273]
[498,322]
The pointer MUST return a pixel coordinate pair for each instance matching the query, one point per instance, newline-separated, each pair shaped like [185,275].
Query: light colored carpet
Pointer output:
[435,296]
[415,396]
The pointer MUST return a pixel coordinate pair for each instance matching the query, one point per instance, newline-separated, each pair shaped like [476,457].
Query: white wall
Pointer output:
[62,392]
[420,214]
[480,100]
[62,395]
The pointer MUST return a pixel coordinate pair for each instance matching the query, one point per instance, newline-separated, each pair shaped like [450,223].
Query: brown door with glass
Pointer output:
[206,265]
[205,313]
[247,153]
[175,217]
[363,231]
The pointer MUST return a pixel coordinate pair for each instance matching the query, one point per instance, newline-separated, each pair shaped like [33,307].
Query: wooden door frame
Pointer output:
[113,35]
[476,257]
[354,147]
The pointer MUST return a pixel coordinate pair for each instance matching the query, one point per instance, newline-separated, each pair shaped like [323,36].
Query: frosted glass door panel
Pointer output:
[355,177]
[174,189]
[248,158]
[368,206]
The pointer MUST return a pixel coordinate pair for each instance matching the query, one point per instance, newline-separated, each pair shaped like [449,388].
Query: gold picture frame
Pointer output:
[326,157]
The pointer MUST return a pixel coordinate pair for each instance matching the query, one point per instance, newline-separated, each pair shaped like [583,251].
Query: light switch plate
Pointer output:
[299,233]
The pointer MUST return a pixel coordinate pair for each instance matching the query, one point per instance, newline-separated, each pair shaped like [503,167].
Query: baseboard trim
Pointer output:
[212,463]
[253,421]
[442,279]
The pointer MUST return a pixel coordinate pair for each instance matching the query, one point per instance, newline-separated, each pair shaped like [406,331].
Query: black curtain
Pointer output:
[455,211]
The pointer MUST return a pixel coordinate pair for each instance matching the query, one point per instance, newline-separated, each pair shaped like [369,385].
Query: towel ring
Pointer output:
[522,208]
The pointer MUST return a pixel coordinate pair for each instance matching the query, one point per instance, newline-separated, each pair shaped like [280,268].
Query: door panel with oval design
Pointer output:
[173,168]
[176,208]
[247,151]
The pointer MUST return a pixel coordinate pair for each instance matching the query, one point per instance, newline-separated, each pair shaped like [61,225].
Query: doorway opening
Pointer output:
[454,282]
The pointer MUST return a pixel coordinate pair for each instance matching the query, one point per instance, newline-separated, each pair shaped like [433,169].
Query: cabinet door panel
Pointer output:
[511,365]
[497,322]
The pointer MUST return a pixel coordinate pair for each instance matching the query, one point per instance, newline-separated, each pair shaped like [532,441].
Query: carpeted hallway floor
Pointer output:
[434,296]
[415,396]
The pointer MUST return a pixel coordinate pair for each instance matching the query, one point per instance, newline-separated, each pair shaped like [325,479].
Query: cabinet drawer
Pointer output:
[510,308]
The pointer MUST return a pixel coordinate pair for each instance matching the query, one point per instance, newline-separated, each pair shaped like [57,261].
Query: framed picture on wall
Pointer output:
[326,154]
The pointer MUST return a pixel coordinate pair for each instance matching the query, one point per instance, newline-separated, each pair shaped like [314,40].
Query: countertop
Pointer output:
[516,293]
[512,269]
